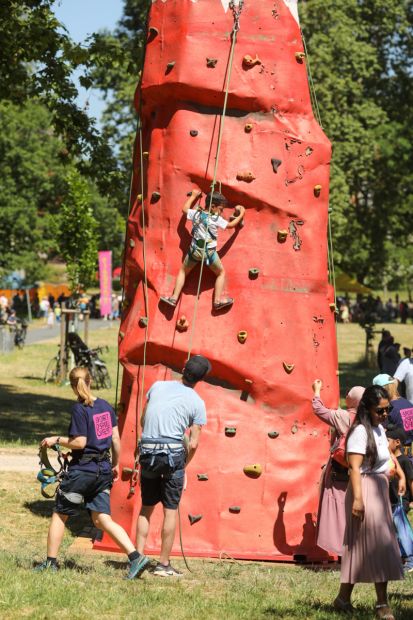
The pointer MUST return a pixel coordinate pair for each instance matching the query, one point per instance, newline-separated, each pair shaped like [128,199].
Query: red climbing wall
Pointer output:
[259,396]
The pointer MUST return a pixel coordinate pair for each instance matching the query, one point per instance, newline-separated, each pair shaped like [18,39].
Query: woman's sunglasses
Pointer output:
[382,410]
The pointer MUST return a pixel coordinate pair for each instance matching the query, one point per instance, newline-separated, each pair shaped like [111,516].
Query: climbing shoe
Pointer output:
[218,305]
[46,565]
[161,570]
[171,301]
[136,567]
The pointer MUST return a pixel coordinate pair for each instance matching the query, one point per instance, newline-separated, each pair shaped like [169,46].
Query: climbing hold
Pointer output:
[131,243]
[317,190]
[246,176]
[194,518]
[211,62]
[139,198]
[143,321]
[282,236]
[333,308]
[248,128]
[308,151]
[273,434]
[230,431]
[153,32]
[253,273]
[170,66]
[248,61]
[253,471]
[121,335]
[300,56]
[242,336]
[288,367]
[276,163]
[193,133]
[235,509]
[294,429]
[202,477]
[182,324]
[145,154]
[155,196]
[128,471]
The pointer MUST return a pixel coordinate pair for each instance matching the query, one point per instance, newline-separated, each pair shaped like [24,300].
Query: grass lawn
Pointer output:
[90,585]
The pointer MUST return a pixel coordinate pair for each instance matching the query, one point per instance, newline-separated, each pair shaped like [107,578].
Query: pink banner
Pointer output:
[105,281]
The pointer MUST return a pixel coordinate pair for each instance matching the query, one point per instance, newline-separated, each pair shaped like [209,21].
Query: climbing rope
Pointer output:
[236,15]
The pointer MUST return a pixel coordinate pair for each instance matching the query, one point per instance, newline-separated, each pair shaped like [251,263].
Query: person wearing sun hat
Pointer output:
[401,413]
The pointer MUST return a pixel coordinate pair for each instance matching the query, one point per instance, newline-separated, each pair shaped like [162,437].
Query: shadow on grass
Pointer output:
[28,417]
[80,526]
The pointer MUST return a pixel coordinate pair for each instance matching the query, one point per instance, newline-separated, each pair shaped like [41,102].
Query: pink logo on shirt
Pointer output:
[103,425]
[407,417]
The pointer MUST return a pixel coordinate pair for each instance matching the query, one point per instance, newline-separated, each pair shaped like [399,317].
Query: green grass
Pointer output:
[31,409]
[90,585]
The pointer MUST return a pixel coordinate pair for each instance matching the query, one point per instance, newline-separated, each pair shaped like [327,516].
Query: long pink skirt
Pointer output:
[371,552]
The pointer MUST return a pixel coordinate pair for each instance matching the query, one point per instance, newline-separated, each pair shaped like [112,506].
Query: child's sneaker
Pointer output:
[46,565]
[171,301]
[137,567]
[161,570]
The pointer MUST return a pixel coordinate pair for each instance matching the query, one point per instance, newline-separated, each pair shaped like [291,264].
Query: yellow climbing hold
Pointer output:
[253,471]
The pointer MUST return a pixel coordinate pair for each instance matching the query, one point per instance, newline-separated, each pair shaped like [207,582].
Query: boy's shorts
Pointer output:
[212,260]
[83,488]
[165,484]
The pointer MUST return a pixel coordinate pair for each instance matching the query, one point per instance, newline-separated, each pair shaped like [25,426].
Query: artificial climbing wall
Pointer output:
[274,160]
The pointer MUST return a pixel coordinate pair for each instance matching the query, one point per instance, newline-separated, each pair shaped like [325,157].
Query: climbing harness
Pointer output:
[48,476]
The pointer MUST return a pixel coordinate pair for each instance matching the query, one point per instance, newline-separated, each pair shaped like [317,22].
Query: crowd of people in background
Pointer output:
[374,308]
[49,308]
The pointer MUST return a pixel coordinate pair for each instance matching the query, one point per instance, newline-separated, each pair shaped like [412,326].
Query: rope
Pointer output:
[236,13]
[313,93]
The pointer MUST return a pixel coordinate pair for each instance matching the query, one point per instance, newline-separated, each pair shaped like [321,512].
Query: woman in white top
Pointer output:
[370,553]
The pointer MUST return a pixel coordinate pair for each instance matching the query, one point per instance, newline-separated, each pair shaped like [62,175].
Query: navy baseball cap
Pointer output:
[196,368]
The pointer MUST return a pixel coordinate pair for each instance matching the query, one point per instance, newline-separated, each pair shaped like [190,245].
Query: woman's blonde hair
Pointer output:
[80,381]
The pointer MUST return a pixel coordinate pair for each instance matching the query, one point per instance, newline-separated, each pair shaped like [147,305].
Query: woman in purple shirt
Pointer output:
[93,432]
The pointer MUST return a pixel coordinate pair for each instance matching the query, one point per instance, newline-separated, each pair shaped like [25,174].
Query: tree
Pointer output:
[76,233]
[32,185]
[354,48]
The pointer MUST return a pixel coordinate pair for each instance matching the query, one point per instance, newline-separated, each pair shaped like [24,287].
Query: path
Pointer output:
[19,459]
[37,334]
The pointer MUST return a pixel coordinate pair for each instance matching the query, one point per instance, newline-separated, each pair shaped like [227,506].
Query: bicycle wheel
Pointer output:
[52,371]
[104,378]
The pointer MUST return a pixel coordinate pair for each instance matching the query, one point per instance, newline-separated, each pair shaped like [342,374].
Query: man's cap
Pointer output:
[383,380]
[196,368]
[396,432]
[217,199]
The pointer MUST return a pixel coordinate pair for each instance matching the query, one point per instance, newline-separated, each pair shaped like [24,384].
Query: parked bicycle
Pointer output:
[84,356]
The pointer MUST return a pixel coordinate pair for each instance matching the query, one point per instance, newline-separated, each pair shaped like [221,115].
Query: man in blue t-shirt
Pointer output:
[171,408]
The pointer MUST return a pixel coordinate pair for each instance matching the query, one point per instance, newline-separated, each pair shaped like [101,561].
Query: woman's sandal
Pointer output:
[218,305]
[344,606]
[384,612]
[170,301]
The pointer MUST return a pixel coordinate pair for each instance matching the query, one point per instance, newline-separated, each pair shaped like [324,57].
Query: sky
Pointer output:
[81,18]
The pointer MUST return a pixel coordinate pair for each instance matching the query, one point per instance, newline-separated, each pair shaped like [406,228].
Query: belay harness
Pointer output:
[48,477]
[196,249]
[161,446]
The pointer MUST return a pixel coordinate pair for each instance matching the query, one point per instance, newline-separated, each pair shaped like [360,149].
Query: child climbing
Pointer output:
[204,234]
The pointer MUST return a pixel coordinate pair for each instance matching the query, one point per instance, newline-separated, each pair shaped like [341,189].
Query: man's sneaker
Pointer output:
[137,567]
[46,565]
[161,570]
